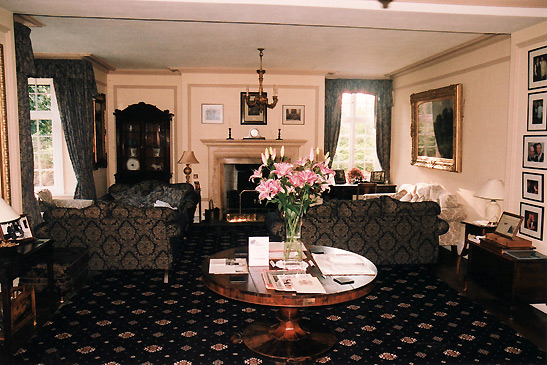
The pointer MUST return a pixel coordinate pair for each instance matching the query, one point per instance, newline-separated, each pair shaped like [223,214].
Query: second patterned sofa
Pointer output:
[384,230]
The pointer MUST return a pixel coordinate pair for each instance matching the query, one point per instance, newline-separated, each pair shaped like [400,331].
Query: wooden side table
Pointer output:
[518,280]
[472,229]
[13,261]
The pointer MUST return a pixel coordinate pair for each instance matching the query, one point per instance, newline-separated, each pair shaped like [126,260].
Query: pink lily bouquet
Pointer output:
[294,187]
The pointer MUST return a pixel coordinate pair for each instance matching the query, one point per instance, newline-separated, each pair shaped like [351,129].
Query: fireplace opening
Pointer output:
[241,199]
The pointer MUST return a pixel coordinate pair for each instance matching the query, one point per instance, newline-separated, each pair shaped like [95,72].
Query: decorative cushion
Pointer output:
[406,198]
[448,200]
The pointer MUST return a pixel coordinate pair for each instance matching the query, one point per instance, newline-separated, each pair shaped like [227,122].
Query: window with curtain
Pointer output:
[357,139]
[47,136]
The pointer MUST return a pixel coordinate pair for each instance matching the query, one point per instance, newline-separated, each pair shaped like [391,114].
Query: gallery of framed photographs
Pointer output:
[534,143]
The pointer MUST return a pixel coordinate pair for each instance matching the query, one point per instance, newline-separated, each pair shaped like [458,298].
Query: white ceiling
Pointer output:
[344,37]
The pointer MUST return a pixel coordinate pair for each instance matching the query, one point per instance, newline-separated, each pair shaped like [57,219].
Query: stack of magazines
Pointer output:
[228,266]
[344,264]
[292,280]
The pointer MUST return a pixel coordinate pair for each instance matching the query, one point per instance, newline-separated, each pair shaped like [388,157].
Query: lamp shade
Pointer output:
[7,214]
[492,190]
[188,157]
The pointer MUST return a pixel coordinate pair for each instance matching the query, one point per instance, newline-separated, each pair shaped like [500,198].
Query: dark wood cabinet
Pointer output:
[142,143]
[517,280]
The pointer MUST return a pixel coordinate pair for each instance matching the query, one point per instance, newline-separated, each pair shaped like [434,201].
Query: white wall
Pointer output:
[183,94]
[522,42]
[484,73]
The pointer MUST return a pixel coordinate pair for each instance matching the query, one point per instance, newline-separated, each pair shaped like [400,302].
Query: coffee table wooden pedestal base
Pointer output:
[288,338]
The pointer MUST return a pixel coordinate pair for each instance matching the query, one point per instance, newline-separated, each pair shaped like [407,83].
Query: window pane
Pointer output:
[43,102]
[46,144]
[37,178]
[31,89]
[32,101]
[46,161]
[44,89]
[47,178]
[33,127]
[344,129]
[45,127]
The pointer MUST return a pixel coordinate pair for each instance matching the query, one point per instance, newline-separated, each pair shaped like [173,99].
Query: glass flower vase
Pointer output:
[292,246]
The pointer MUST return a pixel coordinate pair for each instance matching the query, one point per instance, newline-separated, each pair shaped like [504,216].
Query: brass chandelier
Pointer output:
[261,100]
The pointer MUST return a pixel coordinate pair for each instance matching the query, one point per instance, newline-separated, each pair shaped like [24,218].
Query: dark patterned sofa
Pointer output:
[146,193]
[118,236]
[384,230]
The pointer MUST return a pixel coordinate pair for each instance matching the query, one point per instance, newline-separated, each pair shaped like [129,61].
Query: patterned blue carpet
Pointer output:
[132,317]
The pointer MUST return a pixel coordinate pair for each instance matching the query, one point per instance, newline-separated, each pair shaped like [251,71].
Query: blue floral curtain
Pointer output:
[75,87]
[382,90]
[24,60]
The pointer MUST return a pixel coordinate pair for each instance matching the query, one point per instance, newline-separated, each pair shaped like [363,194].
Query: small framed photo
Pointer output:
[293,114]
[534,152]
[252,115]
[212,113]
[532,186]
[508,225]
[339,177]
[378,177]
[537,111]
[533,220]
[537,68]
[17,230]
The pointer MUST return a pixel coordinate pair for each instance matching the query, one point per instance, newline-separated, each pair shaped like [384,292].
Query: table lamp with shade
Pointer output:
[492,190]
[188,157]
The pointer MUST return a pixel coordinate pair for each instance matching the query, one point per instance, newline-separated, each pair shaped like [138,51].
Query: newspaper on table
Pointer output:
[292,280]
[343,264]
[228,266]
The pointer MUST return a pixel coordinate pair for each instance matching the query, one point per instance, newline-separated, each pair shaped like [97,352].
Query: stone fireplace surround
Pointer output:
[222,152]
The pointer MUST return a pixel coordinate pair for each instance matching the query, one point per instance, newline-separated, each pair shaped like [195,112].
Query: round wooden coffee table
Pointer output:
[288,337]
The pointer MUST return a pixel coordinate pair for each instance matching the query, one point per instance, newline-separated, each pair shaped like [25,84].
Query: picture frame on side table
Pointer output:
[293,114]
[533,220]
[537,60]
[212,113]
[537,111]
[339,176]
[16,231]
[378,177]
[508,225]
[254,115]
[534,152]
[532,186]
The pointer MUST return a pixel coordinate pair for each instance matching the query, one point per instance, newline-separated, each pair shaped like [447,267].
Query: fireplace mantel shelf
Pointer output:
[254,142]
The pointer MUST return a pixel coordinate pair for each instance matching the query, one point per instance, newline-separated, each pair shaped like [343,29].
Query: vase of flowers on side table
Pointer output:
[294,187]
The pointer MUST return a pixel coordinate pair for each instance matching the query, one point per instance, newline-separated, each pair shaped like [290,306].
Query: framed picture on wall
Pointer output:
[537,111]
[212,113]
[252,115]
[534,152]
[532,186]
[532,225]
[537,68]
[293,114]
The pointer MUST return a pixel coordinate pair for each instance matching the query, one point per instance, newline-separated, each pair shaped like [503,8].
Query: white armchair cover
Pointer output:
[452,212]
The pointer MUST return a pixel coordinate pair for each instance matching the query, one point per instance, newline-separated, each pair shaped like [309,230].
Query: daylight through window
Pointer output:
[357,140]
[46,135]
